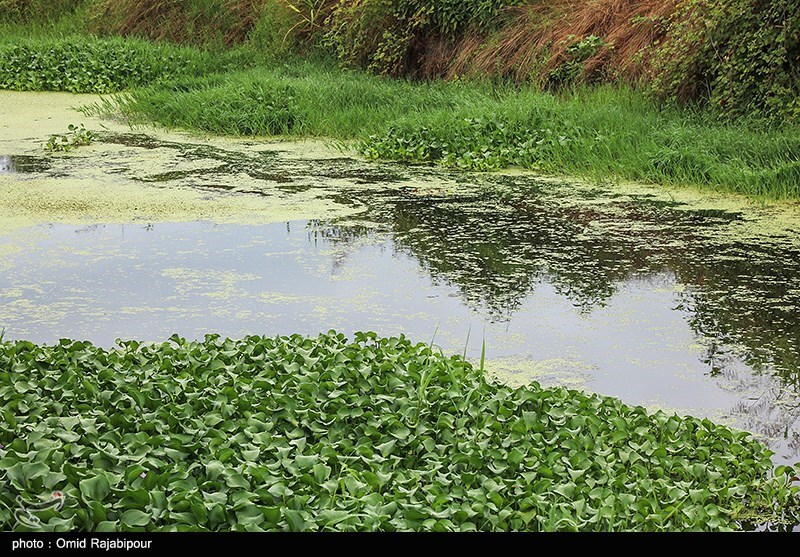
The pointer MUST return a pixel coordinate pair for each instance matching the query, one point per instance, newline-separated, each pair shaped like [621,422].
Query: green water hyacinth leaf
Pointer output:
[323,433]
[321,472]
[295,520]
[106,526]
[135,517]
[235,480]
[93,64]
[387,447]
[95,489]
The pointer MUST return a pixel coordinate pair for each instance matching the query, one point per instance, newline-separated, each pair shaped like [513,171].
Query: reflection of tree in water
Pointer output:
[495,253]
[746,296]
[769,409]
[341,236]
[496,246]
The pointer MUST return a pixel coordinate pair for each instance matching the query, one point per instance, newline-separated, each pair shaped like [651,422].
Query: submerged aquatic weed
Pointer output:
[298,433]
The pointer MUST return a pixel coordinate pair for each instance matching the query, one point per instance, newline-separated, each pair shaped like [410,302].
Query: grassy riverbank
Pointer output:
[604,133]
[297,433]
[325,433]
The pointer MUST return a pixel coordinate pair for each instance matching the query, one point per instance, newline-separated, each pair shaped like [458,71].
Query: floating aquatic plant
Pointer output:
[298,433]
[75,137]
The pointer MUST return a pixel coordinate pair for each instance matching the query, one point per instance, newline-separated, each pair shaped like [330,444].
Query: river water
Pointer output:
[673,299]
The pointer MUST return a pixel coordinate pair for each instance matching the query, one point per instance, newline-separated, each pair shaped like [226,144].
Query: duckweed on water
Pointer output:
[297,433]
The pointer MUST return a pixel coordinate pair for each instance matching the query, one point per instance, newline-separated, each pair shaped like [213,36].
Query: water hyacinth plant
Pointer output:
[75,137]
[299,433]
[79,64]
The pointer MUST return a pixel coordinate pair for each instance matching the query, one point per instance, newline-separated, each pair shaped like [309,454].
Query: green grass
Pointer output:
[603,133]
[297,433]
[316,99]
[42,19]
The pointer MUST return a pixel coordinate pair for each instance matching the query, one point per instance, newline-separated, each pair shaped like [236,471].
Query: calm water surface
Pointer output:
[663,304]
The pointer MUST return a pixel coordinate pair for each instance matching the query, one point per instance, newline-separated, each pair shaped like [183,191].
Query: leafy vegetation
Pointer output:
[737,57]
[297,433]
[93,65]
[392,38]
[743,57]
[602,133]
[75,137]
[686,51]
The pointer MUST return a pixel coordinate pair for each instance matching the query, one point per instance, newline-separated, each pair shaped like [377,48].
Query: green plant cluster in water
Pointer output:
[93,65]
[298,433]
[75,137]
[471,143]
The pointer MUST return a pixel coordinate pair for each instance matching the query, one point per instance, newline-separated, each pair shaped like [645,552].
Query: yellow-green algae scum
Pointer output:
[98,193]
[121,181]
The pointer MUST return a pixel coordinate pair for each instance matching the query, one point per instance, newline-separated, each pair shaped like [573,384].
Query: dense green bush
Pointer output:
[296,433]
[388,36]
[742,56]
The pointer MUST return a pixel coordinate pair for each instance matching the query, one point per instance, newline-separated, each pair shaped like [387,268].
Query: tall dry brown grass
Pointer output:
[536,37]
[180,21]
